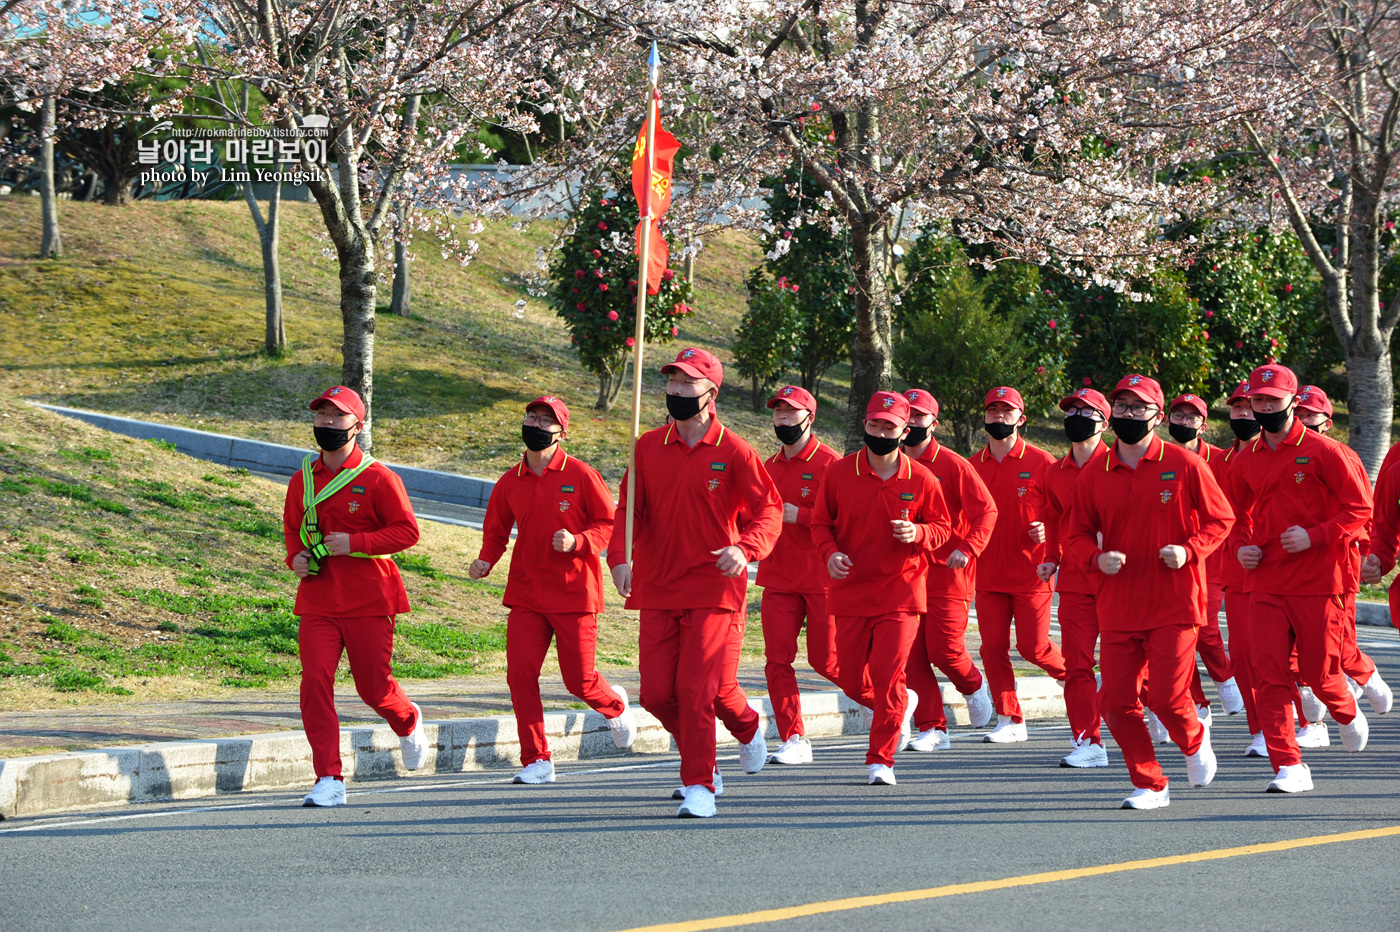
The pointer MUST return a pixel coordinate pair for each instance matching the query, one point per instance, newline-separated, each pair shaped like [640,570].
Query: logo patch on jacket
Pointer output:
[357,489]
[1021,492]
[1166,496]
[1298,477]
[566,488]
[354,507]
[1024,475]
[1301,461]
[806,490]
[906,496]
[1168,475]
[713,484]
[717,467]
[564,505]
[807,477]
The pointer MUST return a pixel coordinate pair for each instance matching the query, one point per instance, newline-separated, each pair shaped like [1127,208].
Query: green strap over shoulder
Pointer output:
[311,537]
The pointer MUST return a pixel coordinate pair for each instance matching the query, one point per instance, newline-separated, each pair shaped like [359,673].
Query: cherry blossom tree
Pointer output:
[1015,121]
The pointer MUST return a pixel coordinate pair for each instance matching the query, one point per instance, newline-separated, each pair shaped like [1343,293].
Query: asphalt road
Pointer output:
[601,849]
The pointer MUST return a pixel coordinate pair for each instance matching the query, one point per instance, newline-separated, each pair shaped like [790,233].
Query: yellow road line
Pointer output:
[1025,880]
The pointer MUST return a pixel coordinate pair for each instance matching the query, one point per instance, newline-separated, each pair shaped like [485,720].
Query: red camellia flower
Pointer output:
[1269,360]
[675,331]
[582,305]
[1088,381]
[667,275]
[1205,334]
[1039,370]
[816,106]
[1273,342]
[1210,314]
[1288,289]
[794,289]
[602,286]
[612,315]
[1050,324]
[1239,344]
[631,342]
[597,254]
[602,225]
[830,137]
[597,273]
[578,273]
[787,234]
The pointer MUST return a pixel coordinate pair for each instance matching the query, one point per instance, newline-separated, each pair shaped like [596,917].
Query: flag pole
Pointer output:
[644,264]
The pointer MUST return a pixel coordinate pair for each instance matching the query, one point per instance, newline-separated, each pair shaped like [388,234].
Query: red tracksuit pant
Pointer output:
[783,614]
[1316,625]
[872,652]
[1079,637]
[1165,656]
[1241,651]
[732,707]
[1031,612]
[369,643]
[941,643]
[688,660]
[1209,642]
[1355,662]
[528,634]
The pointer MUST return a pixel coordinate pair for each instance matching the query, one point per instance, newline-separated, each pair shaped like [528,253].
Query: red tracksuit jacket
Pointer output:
[375,512]
[974,514]
[1018,486]
[570,495]
[691,501]
[1062,481]
[1308,482]
[1170,498]
[793,566]
[852,516]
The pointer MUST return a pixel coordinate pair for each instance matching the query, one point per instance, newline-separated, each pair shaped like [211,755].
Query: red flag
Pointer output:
[657,258]
[652,187]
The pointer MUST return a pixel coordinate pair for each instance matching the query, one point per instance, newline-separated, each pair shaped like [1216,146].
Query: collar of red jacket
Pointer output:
[1067,461]
[555,462]
[1018,450]
[1294,438]
[353,460]
[903,471]
[809,451]
[713,435]
[1156,450]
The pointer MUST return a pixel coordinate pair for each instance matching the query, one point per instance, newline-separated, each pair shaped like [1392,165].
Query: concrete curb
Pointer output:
[274,457]
[105,777]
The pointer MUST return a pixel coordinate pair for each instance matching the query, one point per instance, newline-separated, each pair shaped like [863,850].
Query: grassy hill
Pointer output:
[156,313]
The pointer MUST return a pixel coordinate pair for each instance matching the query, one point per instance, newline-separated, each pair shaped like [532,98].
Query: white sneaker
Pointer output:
[1204,715]
[906,727]
[795,750]
[1295,778]
[1314,735]
[867,715]
[1148,799]
[328,791]
[540,771]
[1085,754]
[879,775]
[699,803]
[1257,747]
[1155,728]
[931,740]
[624,726]
[414,745]
[1355,688]
[1355,734]
[979,705]
[1378,694]
[1006,732]
[754,755]
[679,792]
[1231,699]
[1201,766]
[1312,706]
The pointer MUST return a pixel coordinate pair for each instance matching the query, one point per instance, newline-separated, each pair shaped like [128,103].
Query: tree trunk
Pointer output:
[51,244]
[275,335]
[754,397]
[1370,404]
[688,267]
[610,385]
[357,296]
[400,303]
[871,350]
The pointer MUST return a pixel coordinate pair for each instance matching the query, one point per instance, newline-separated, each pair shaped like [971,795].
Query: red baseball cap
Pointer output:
[556,407]
[795,395]
[1312,398]
[1241,392]
[346,400]
[1146,389]
[1193,402]
[1273,381]
[1006,395]
[1087,396]
[888,406]
[922,402]
[697,364]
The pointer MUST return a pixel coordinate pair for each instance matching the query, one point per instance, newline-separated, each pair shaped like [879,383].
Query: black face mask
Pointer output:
[683,408]
[331,438]
[537,438]
[789,434]
[1183,434]
[1130,431]
[1274,421]
[1244,428]
[1080,427]
[999,430]
[1315,428]
[916,436]
[881,446]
